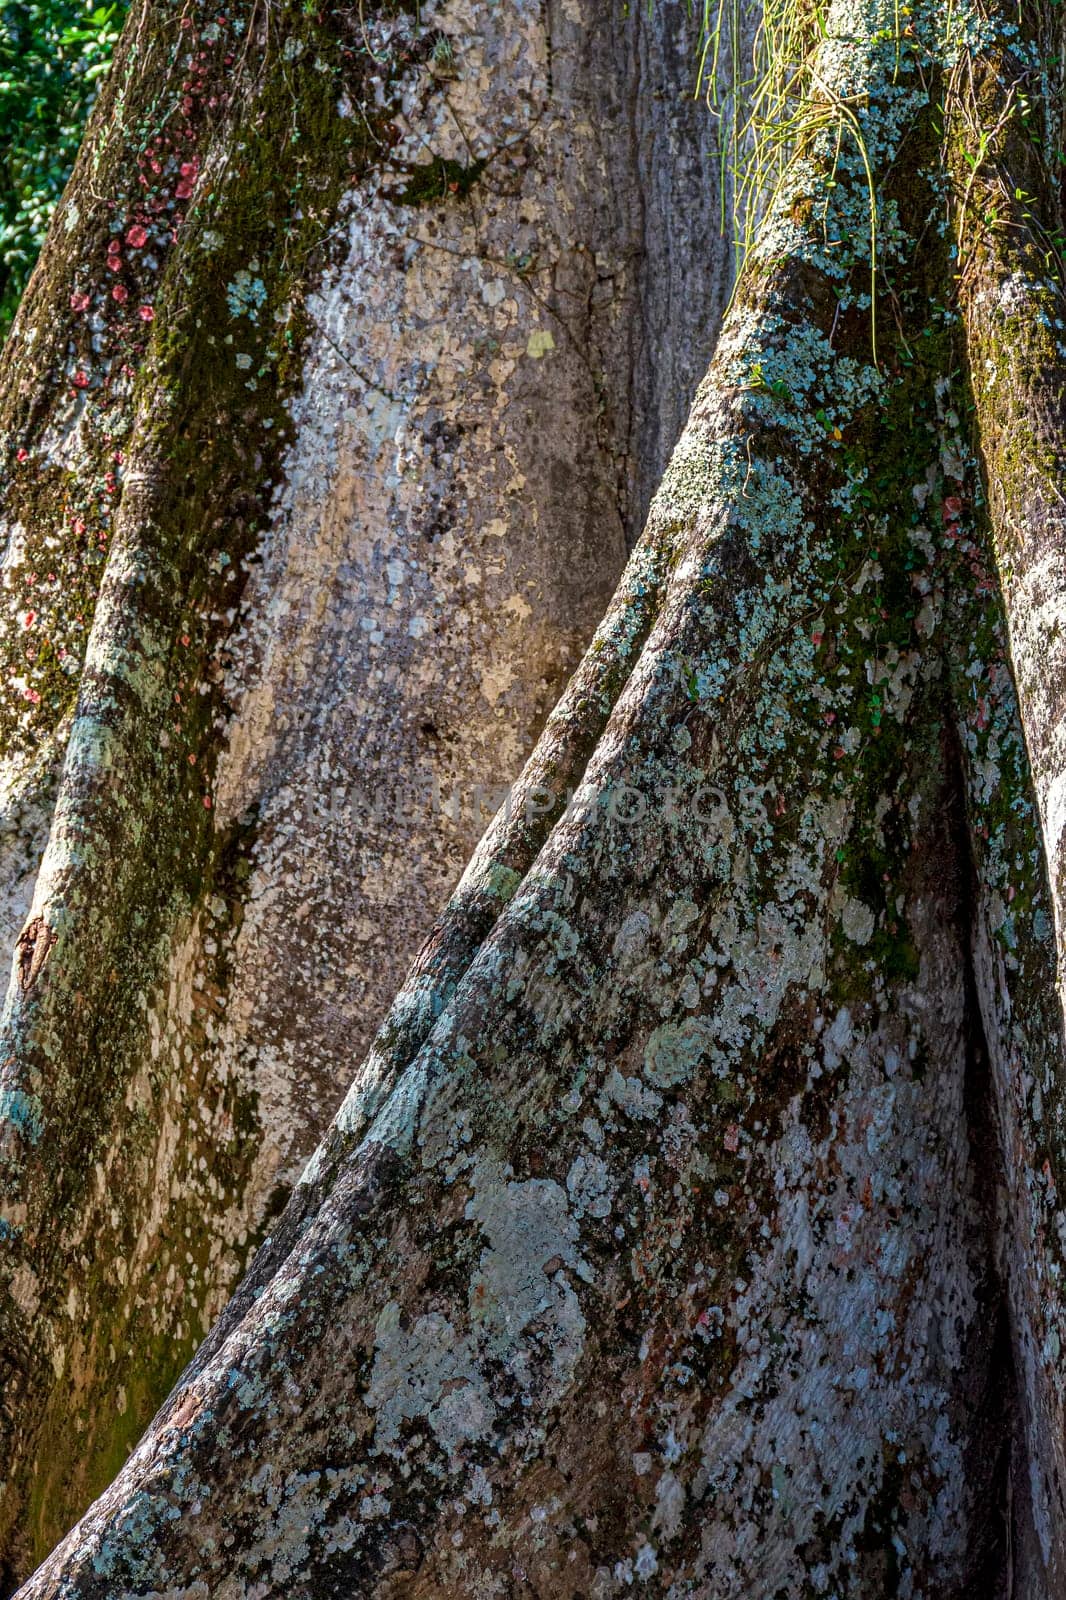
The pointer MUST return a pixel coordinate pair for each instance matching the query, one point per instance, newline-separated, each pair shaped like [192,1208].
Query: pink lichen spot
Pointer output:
[207,802]
[183,189]
[146,313]
[120,294]
[80,380]
[136,236]
[79,302]
[32,696]
[816,638]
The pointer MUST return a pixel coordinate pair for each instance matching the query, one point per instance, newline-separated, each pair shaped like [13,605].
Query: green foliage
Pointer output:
[52,56]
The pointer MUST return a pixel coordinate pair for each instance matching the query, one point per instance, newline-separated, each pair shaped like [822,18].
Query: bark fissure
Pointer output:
[678,1176]
[171,1063]
[692,1222]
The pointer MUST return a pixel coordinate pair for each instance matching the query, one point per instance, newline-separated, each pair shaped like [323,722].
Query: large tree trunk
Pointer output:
[1009,230]
[332,411]
[692,1223]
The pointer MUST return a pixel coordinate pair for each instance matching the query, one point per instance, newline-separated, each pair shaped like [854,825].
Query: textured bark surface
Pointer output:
[681,1231]
[1007,143]
[332,410]
[455,515]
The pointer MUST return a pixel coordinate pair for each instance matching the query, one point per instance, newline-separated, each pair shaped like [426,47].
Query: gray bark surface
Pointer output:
[329,534]
[684,1230]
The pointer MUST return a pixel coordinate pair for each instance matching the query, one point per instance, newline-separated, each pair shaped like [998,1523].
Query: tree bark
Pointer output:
[1007,141]
[691,1224]
[332,410]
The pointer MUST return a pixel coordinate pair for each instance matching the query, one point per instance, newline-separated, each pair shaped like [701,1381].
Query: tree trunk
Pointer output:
[1009,228]
[692,1223]
[333,408]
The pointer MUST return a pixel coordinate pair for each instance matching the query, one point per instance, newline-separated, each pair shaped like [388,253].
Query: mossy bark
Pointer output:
[660,1240]
[1006,155]
[236,396]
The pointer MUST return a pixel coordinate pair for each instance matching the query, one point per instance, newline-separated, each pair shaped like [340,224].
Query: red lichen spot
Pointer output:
[79,302]
[207,802]
[952,507]
[192,759]
[29,619]
[731,1137]
[838,753]
[816,638]
[183,189]
[146,313]
[22,455]
[120,294]
[136,236]
[80,380]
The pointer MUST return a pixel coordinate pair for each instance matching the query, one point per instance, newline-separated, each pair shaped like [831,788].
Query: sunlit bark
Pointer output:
[331,413]
[683,1228]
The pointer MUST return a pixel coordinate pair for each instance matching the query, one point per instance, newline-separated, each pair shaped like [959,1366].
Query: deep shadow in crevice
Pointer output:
[1005,1555]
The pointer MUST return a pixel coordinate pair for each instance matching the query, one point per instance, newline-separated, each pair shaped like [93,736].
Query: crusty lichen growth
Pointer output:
[648,1247]
[1005,155]
[198,214]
